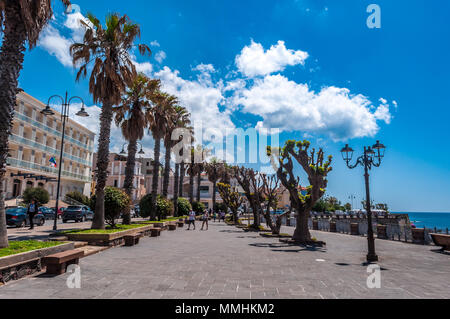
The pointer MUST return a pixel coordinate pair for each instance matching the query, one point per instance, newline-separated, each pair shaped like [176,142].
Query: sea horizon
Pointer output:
[440,220]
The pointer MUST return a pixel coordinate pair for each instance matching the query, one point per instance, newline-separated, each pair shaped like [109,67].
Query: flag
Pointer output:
[53,162]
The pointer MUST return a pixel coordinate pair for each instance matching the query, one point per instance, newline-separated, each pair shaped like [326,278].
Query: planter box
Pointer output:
[109,240]
[333,228]
[418,235]
[162,225]
[315,225]
[354,229]
[21,265]
[382,231]
[441,240]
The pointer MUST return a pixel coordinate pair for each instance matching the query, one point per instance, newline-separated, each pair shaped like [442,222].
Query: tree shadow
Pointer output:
[440,251]
[281,245]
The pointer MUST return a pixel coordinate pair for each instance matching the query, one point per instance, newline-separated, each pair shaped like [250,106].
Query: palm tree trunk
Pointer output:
[191,179]
[11,62]
[199,182]
[129,178]
[166,171]
[102,165]
[155,179]
[175,189]
[182,175]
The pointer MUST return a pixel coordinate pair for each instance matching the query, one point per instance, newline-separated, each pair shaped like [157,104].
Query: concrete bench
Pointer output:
[441,240]
[172,226]
[132,240]
[155,232]
[57,264]
[180,224]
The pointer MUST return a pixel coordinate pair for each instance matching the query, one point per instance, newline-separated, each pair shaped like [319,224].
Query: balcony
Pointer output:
[16,163]
[50,130]
[46,149]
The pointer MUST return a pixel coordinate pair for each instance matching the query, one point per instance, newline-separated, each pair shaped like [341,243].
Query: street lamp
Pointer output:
[65,105]
[141,152]
[372,157]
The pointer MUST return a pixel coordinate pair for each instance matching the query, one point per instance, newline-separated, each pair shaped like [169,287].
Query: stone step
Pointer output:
[79,244]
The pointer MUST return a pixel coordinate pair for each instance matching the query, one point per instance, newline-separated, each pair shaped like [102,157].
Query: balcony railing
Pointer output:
[50,130]
[47,149]
[14,162]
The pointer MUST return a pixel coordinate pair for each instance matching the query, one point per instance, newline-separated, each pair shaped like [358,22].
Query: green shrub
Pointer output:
[116,201]
[145,206]
[164,207]
[79,197]
[221,207]
[39,194]
[198,207]
[184,207]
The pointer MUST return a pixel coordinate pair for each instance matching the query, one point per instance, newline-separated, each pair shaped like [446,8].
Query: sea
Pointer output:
[430,220]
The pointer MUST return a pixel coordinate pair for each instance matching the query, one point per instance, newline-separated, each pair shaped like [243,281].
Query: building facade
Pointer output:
[36,139]
[116,175]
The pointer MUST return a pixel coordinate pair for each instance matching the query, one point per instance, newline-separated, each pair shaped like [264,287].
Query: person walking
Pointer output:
[205,218]
[32,210]
[191,219]
[214,215]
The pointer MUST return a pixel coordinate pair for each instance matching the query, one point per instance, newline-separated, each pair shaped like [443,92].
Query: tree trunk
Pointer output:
[182,175]
[166,172]
[175,189]
[302,234]
[129,178]
[11,62]
[155,179]
[102,165]
[214,195]
[199,182]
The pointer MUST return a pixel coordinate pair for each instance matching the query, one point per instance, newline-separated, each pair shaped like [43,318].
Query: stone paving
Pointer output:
[226,262]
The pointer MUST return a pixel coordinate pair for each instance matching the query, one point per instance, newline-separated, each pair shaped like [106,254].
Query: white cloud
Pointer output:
[291,106]
[160,56]
[57,45]
[254,61]
[155,44]
[201,98]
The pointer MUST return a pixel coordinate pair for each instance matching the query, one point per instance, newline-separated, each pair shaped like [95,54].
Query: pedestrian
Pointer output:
[191,219]
[205,218]
[32,210]
[214,215]
[222,216]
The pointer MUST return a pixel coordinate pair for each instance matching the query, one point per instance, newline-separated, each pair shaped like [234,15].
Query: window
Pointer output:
[116,183]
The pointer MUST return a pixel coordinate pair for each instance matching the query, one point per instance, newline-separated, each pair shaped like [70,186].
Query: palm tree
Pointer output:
[214,171]
[133,116]
[180,119]
[178,115]
[161,113]
[20,22]
[112,72]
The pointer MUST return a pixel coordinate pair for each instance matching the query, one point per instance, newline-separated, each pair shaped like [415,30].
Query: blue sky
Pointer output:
[309,67]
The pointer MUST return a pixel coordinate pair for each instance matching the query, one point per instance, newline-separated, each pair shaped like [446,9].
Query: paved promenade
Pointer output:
[226,262]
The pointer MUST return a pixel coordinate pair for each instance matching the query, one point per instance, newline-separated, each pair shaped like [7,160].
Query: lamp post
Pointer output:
[65,105]
[352,197]
[372,157]
[141,152]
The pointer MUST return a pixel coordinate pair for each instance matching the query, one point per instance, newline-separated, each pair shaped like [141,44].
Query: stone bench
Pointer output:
[132,239]
[57,264]
[180,224]
[441,240]
[172,226]
[155,232]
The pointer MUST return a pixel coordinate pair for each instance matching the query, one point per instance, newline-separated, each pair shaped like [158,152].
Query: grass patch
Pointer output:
[18,247]
[171,219]
[108,230]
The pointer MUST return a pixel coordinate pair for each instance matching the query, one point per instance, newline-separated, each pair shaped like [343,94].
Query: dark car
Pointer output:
[77,214]
[18,217]
[47,212]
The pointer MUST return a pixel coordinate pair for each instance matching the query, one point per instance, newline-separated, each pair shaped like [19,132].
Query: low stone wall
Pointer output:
[25,264]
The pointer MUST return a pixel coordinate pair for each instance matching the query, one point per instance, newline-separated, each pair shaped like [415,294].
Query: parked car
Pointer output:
[18,217]
[77,214]
[47,212]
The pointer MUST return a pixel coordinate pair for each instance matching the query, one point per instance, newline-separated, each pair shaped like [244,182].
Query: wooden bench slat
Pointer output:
[63,257]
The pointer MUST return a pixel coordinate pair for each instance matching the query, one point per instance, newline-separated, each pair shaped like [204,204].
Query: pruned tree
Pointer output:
[270,190]
[231,198]
[317,170]
[251,185]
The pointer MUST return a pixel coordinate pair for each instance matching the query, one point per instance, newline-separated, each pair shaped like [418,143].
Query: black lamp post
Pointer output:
[141,152]
[372,157]
[65,104]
